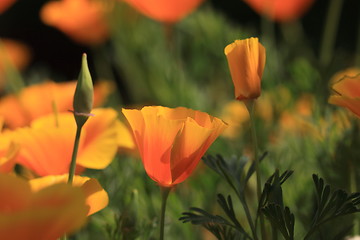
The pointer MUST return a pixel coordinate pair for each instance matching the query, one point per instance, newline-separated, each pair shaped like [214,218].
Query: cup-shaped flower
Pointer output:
[246,59]
[96,197]
[168,11]
[347,93]
[280,10]
[46,214]
[171,142]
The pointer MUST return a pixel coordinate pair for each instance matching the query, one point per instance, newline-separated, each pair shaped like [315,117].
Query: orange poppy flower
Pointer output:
[169,11]
[347,94]
[42,215]
[39,100]
[246,59]
[96,197]
[5,4]
[82,20]
[171,142]
[47,146]
[280,10]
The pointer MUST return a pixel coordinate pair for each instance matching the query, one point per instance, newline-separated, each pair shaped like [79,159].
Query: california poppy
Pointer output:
[40,99]
[346,93]
[96,197]
[281,10]
[168,11]
[47,145]
[42,215]
[171,142]
[82,20]
[246,59]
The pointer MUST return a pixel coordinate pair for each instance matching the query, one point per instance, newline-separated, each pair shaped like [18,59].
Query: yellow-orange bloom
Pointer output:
[246,59]
[280,10]
[42,215]
[83,20]
[171,142]
[96,197]
[39,100]
[169,11]
[47,146]
[347,94]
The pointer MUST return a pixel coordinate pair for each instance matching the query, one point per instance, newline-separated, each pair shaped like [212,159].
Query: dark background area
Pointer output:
[56,52]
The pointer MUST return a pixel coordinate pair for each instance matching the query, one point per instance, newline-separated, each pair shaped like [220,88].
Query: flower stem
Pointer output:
[74,155]
[250,105]
[329,35]
[164,195]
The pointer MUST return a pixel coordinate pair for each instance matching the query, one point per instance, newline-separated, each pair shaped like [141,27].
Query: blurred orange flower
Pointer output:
[42,215]
[13,54]
[39,100]
[280,10]
[235,114]
[96,197]
[171,142]
[347,94]
[168,11]
[246,59]
[82,20]
[5,4]
[46,146]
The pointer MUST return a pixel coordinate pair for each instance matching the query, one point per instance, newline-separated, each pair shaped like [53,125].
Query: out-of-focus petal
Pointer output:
[96,197]
[44,215]
[165,10]
[82,20]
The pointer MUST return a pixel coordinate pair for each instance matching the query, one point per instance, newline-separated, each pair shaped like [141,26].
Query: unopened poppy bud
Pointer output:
[246,59]
[83,97]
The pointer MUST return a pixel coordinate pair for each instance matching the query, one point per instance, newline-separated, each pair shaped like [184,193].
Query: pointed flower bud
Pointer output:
[246,59]
[83,97]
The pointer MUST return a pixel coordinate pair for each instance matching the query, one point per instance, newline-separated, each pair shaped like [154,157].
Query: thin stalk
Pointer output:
[74,155]
[357,56]
[164,196]
[353,189]
[56,113]
[250,106]
[248,216]
[329,35]
[63,237]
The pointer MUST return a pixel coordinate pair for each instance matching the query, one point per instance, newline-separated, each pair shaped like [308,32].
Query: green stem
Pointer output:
[248,216]
[250,106]
[63,237]
[357,56]
[74,155]
[353,189]
[329,35]
[164,195]
[56,113]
